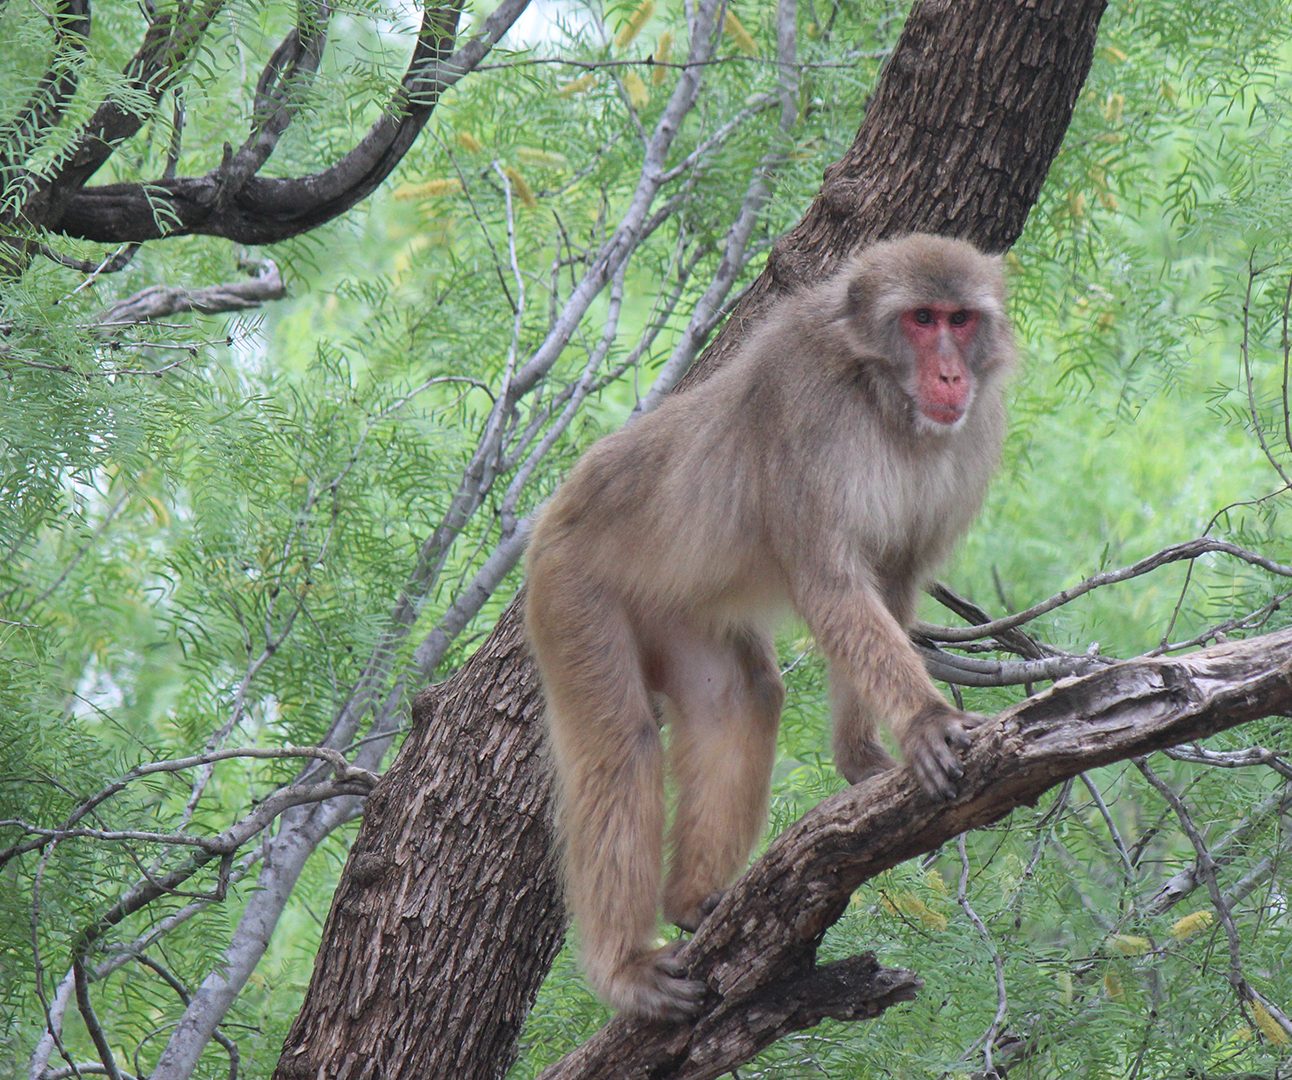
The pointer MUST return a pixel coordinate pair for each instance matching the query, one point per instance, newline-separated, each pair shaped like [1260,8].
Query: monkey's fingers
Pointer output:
[928,749]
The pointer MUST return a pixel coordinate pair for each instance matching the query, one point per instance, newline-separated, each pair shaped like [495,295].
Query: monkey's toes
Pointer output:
[656,987]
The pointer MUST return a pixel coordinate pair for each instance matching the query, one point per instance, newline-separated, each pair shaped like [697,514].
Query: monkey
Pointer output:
[824,471]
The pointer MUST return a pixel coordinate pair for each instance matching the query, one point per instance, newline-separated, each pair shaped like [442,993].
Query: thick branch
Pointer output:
[230,202]
[769,924]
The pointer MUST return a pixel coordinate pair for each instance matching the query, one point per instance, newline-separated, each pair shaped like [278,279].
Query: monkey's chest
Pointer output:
[908,514]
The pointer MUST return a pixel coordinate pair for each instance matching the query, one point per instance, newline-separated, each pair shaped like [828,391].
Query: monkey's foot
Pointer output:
[690,918]
[927,745]
[867,760]
[654,985]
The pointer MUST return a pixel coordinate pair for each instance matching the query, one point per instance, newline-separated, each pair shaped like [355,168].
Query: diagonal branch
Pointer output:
[768,927]
[48,102]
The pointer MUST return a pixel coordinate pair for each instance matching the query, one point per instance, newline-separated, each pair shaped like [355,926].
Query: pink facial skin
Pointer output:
[941,335]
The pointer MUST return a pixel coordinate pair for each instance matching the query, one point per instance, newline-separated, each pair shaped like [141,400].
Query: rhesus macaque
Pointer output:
[825,469]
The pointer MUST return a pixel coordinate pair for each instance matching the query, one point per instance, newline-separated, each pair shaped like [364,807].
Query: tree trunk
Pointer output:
[447,915]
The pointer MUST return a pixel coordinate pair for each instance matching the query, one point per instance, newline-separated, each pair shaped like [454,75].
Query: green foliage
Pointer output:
[206,523]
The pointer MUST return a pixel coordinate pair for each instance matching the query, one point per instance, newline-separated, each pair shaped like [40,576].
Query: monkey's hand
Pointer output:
[654,985]
[927,745]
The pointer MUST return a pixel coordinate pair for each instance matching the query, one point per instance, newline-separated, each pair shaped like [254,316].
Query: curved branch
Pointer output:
[288,73]
[1185,552]
[230,202]
[769,925]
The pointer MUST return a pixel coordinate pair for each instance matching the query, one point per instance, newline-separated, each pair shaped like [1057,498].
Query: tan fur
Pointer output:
[801,475]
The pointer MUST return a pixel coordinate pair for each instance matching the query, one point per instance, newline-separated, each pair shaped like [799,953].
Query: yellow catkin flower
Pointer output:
[544,159]
[520,187]
[638,19]
[1113,986]
[469,142]
[636,90]
[1191,924]
[914,908]
[1077,204]
[663,50]
[1113,108]
[936,882]
[577,86]
[430,189]
[1115,54]
[1106,321]
[1129,944]
[1270,1027]
[740,37]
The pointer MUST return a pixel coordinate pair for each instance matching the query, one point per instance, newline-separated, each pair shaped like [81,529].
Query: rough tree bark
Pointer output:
[447,915]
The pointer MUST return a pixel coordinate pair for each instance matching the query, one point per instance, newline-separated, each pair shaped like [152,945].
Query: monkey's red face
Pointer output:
[940,336]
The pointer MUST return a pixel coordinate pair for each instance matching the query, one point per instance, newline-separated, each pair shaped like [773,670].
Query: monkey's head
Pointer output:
[926,315]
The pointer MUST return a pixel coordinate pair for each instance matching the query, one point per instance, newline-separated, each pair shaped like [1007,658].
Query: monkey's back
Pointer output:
[660,512]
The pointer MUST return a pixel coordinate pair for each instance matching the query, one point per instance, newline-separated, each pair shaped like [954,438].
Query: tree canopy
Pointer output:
[306,309]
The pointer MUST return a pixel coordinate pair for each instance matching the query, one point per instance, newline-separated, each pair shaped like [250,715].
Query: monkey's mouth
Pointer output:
[946,415]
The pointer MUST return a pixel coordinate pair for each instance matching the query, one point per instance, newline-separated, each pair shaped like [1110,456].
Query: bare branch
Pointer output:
[1206,870]
[158,301]
[1245,356]
[349,780]
[1187,551]
[987,1040]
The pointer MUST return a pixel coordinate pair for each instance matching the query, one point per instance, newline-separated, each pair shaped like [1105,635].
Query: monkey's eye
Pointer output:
[959,318]
[923,316]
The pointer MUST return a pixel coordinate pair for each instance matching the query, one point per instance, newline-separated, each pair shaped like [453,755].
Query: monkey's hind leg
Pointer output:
[610,813]
[726,697]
